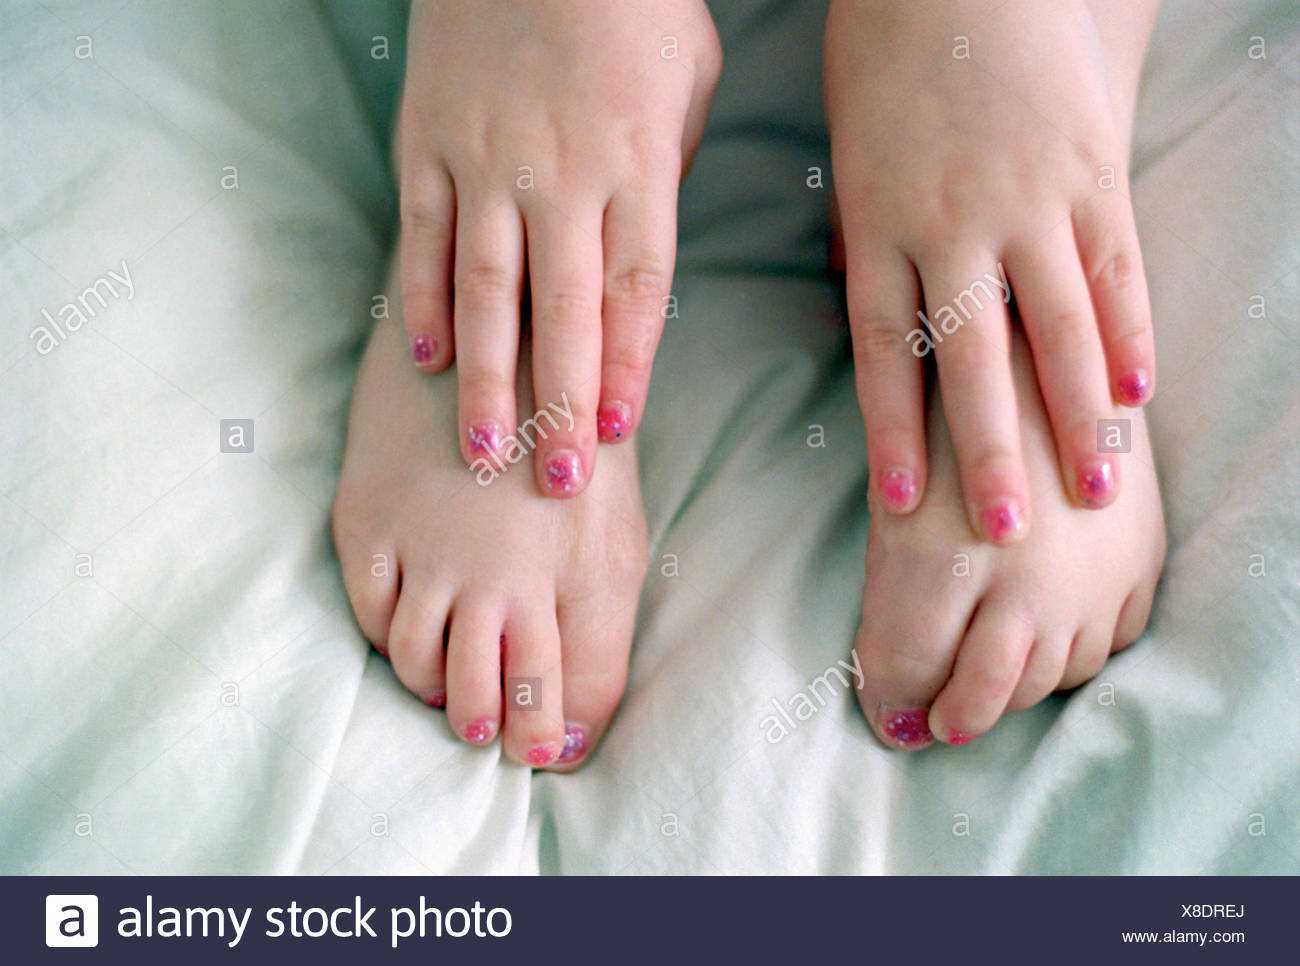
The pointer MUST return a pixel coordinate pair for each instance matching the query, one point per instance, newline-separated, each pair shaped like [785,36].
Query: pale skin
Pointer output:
[549,590]
[543,143]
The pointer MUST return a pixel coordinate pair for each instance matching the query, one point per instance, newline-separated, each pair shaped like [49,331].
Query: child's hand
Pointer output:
[975,150]
[552,135]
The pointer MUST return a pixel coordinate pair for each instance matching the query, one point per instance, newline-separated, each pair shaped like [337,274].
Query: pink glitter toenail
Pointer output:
[1133,388]
[613,421]
[564,472]
[959,738]
[422,348]
[382,650]
[435,699]
[1096,483]
[541,755]
[484,438]
[1001,520]
[480,732]
[575,743]
[909,727]
[898,487]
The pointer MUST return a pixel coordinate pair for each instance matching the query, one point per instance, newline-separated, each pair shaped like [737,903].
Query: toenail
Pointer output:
[959,738]
[484,438]
[422,348]
[480,732]
[435,699]
[575,743]
[898,487]
[1002,520]
[382,650]
[1096,483]
[564,472]
[613,421]
[908,727]
[1133,388]
[542,755]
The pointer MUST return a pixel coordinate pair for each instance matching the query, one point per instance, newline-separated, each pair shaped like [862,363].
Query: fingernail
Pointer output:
[907,727]
[564,472]
[480,732]
[1002,520]
[1133,387]
[613,421]
[1097,484]
[898,487]
[542,755]
[575,743]
[484,438]
[422,348]
[435,699]
[959,738]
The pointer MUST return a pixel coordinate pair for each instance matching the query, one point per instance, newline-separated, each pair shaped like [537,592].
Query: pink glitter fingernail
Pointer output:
[908,727]
[484,438]
[1097,484]
[613,421]
[575,743]
[898,487]
[1133,388]
[480,732]
[423,348]
[1002,520]
[541,755]
[564,472]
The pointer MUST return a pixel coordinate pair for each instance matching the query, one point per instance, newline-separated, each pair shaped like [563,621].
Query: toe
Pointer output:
[989,665]
[370,575]
[534,710]
[906,652]
[1043,670]
[595,638]
[474,672]
[415,641]
[1088,654]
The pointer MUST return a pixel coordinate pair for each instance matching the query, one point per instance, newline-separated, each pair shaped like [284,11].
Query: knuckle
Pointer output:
[483,281]
[565,306]
[638,281]
[876,340]
[1117,272]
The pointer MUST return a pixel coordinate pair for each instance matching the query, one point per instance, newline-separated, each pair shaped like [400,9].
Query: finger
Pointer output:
[888,348]
[966,307]
[1107,239]
[428,209]
[640,247]
[565,264]
[489,284]
[1056,311]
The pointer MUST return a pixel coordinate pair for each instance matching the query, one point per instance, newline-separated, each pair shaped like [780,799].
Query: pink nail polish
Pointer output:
[1097,484]
[1133,388]
[959,738]
[575,743]
[564,472]
[908,727]
[422,348]
[484,438]
[898,487]
[480,732]
[1002,520]
[381,650]
[541,755]
[613,421]
[435,699]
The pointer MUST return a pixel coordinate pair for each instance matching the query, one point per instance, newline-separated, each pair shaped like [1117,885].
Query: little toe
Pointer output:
[415,640]
[534,713]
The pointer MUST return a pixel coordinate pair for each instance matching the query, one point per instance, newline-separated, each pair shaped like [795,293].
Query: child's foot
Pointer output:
[955,632]
[514,611]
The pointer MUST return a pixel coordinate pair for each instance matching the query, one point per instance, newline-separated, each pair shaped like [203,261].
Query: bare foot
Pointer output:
[956,632]
[514,611]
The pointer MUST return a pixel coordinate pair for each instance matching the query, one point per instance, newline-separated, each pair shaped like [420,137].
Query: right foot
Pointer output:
[514,611]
